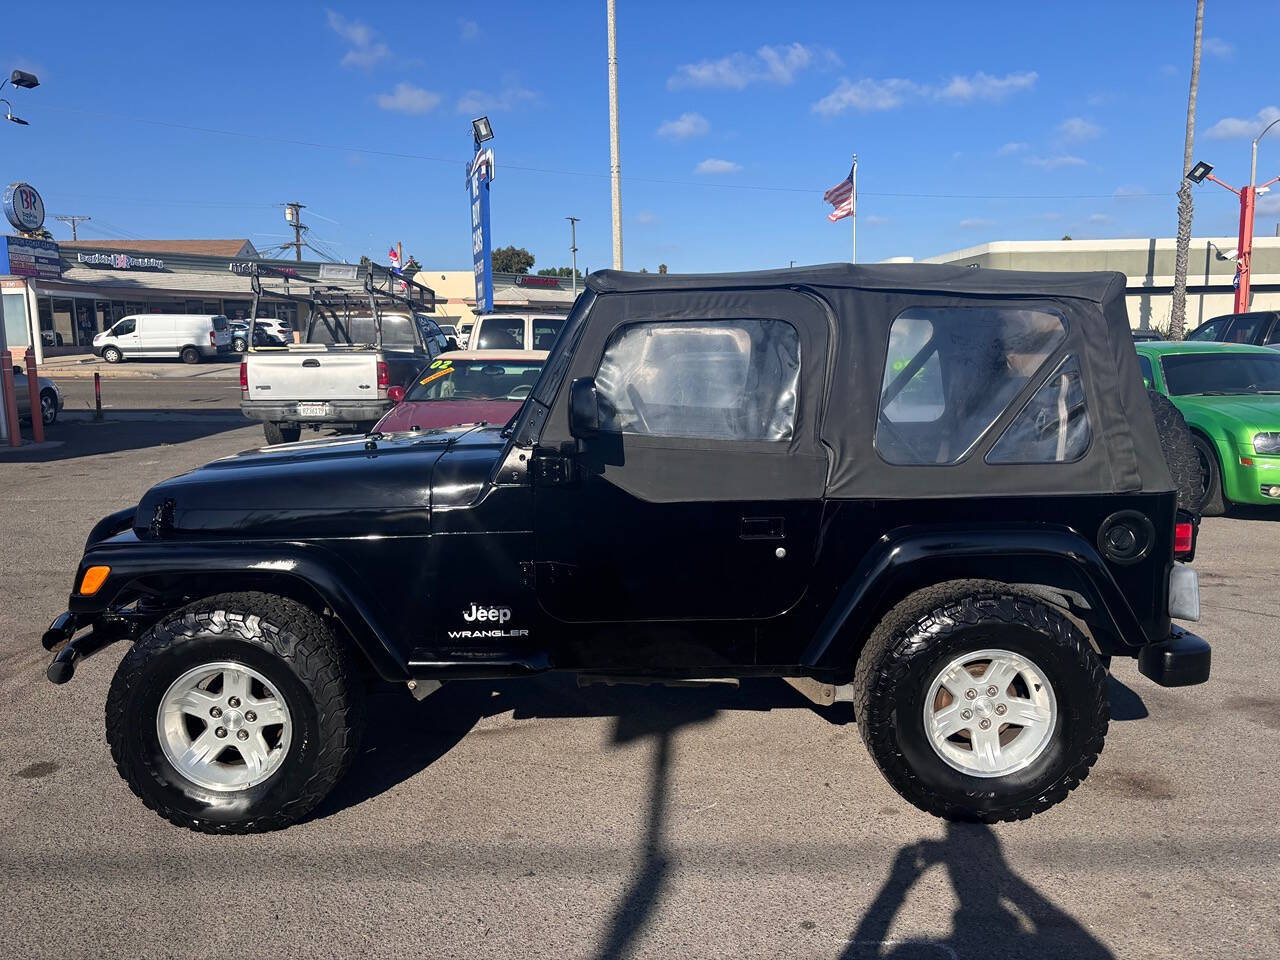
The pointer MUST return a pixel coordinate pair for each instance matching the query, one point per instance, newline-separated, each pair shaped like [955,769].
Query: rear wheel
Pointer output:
[190,355]
[989,707]
[237,714]
[1213,502]
[239,345]
[280,432]
[112,355]
[48,407]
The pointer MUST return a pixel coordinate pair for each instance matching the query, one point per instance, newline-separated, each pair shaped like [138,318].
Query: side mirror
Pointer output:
[396,394]
[584,408]
[451,343]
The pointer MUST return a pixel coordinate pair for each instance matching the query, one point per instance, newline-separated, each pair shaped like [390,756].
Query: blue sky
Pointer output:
[973,122]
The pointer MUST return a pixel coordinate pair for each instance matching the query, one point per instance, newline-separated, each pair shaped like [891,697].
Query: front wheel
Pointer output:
[111,355]
[987,708]
[237,714]
[239,345]
[48,407]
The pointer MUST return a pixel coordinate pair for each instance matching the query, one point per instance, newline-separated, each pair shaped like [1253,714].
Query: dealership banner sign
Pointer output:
[479,176]
[29,257]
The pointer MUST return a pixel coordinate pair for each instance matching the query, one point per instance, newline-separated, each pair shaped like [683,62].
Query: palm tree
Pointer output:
[1177,322]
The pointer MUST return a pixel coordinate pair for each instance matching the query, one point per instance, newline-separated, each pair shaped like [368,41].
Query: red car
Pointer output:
[466,386]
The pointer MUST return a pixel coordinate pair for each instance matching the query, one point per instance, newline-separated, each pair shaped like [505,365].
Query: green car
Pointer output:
[1230,395]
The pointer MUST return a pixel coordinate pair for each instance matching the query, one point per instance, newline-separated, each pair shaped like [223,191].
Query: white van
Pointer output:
[514,331]
[191,336]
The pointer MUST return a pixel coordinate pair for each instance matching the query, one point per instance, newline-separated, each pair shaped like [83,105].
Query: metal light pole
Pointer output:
[1248,200]
[615,161]
[573,253]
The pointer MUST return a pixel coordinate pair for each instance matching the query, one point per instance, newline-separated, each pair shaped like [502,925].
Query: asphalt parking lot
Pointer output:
[536,819]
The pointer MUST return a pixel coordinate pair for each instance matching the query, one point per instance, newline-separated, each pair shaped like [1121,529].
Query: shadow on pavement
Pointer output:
[999,914]
[123,430]
[1238,512]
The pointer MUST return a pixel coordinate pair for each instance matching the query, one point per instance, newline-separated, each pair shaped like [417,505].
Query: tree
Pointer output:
[558,272]
[364,262]
[662,268]
[1066,236]
[512,260]
[1178,318]
[411,266]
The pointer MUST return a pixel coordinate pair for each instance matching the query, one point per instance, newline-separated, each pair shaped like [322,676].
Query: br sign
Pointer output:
[23,207]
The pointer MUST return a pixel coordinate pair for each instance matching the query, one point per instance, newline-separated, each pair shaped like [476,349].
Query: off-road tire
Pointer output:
[112,355]
[1179,451]
[932,627]
[290,645]
[280,433]
[1215,502]
[190,355]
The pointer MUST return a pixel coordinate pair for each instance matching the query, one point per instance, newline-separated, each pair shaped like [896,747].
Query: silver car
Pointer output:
[50,396]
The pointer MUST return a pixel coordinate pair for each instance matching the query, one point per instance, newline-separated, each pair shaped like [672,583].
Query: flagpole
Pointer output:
[854,218]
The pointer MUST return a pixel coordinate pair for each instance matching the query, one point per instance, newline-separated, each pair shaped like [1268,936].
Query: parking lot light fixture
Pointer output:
[8,114]
[20,78]
[481,129]
[1199,171]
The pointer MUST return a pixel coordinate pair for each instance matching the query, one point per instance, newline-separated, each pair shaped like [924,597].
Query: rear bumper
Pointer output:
[340,412]
[1181,661]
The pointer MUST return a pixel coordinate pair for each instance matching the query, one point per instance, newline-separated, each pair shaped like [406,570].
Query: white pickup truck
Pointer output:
[341,376]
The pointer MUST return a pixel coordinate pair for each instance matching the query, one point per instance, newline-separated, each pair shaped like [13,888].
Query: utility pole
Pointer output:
[73,220]
[1178,319]
[293,215]
[615,161]
[573,253]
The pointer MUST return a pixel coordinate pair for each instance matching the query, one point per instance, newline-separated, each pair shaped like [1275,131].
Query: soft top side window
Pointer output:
[710,379]
[950,372]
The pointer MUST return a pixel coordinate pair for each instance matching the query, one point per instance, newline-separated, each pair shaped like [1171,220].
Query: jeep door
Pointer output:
[695,508]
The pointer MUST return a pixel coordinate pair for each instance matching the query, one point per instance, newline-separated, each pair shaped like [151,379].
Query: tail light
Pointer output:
[1184,535]
[213,338]
[384,376]
[244,379]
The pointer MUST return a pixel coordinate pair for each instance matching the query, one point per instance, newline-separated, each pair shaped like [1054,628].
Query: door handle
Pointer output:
[762,528]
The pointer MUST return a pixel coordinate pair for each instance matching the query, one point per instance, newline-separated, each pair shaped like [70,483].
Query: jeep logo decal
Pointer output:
[477,612]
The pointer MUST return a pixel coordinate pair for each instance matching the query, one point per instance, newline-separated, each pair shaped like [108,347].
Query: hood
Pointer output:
[1254,412]
[433,414]
[332,487]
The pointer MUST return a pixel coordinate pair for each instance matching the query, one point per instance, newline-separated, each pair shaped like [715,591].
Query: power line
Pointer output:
[75,220]
[551,171]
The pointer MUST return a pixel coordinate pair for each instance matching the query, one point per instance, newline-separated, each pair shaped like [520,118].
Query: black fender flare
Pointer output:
[907,559]
[330,578]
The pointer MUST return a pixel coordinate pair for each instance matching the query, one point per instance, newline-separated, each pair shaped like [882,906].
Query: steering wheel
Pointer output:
[637,402]
[520,392]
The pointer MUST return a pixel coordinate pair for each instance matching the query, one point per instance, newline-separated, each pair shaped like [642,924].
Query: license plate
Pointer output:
[313,409]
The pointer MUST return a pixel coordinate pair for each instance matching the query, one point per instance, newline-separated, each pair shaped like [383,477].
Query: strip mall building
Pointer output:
[64,294]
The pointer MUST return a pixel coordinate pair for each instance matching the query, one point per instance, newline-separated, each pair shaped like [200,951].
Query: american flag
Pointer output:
[842,197]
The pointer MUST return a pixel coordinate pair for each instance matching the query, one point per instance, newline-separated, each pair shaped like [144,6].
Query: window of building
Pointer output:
[951,371]
[1053,427]
[63,322]
[718,380]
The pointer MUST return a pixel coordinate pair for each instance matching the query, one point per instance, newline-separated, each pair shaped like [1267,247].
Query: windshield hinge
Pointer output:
[551,470]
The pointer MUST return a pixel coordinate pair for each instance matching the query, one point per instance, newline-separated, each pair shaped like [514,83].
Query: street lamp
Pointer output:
[8,113]
[1248,199]
[573,253]
[18,78]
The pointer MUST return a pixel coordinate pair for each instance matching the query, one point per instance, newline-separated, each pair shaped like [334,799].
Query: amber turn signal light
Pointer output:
[93,580]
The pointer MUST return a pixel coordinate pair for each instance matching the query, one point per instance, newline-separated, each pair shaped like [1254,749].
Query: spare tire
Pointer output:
[1179,452]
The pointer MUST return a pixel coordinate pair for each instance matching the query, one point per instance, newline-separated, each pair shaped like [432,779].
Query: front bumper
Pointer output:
[1250,482]
[1181,661]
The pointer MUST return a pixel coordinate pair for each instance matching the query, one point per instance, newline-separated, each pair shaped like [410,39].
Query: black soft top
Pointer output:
[1094,286]
[844,313]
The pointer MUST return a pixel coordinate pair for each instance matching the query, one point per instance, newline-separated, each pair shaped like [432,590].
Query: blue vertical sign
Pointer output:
[479,176]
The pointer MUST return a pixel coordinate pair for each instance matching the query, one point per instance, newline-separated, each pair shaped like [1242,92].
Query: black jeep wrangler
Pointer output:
[938,492]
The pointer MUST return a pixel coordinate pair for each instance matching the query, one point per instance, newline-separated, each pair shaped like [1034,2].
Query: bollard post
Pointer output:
[33,391]
[97,395]
[10,398]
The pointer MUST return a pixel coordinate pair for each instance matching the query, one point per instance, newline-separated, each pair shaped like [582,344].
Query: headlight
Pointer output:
[1266,443]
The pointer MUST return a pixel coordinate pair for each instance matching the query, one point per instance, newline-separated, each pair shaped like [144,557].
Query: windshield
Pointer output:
[1221,373]
[447,379]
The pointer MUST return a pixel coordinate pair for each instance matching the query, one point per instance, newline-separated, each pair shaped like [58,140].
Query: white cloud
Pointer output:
[508,98]
[872,219]
[685,126]
[365,47]
[1099,218]
[1077,130]
[712,165]
[769,64]
[1127,191]
[984,86]
[1217,47]
[646,216]
[1015,146]
[406,98]
[468,29]
[972,223]
[1169,70]
[888,93]
[1054,161]
[1268,204]
[1233,128]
